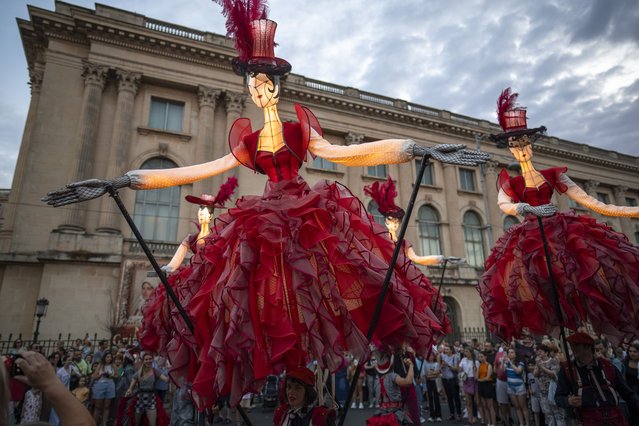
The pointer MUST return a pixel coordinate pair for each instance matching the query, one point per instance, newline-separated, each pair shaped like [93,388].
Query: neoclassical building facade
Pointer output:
[113,90]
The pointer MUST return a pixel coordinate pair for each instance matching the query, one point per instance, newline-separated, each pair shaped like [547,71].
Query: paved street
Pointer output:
[356,417]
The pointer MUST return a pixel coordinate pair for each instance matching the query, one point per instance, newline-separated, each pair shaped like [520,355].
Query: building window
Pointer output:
[429,236]
[637,237]
[603,197]
[632,202]
[374,211]
[474,239]
[467,180]
[427,179]
[509,222]
[157,211]
[321,163]
[166,115]
[377,171]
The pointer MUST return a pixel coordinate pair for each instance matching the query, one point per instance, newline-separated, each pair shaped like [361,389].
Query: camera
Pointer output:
[12,366]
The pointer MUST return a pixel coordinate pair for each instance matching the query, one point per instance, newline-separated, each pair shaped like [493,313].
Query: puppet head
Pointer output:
[512,118]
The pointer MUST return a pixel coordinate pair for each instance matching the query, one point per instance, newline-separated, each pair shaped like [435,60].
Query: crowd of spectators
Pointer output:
[98,376]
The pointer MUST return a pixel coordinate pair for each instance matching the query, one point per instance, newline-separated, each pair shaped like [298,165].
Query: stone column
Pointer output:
[206,148]
[234,108]
[456,231]
[35,82]
[128,83]
[493,213]
[626,222]
[353,182]
[86,137]
[590,186]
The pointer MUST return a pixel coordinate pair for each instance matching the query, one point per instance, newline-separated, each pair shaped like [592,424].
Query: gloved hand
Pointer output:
[540,211]
[455,260]
[85,190]
[167,269]
[451,153]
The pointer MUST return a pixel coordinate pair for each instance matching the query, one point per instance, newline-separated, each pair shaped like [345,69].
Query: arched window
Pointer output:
[157,211]
[373,211]
[510,221]
[474,239]
[429,236]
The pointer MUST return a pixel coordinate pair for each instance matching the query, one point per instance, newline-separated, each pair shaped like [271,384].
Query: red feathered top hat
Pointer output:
[225,192]
[512,117]
[384,195]
[254,37]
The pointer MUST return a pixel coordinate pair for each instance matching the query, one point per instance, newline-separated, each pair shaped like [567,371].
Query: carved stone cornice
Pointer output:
[353,138]
[128,81]
[208,96]
[35,80]
[94,74]
[235,102]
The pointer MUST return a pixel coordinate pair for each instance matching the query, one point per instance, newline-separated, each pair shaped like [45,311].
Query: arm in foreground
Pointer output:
[39,373]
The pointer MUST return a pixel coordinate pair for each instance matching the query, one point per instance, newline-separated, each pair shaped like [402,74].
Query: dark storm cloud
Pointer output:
[614,20]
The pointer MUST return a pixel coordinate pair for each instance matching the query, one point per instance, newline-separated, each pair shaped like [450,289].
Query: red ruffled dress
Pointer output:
[294,275]
[596,271]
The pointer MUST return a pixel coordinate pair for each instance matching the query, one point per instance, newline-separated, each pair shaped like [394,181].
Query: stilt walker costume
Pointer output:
[595,269]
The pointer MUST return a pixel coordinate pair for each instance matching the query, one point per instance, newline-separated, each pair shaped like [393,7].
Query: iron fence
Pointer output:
[49,345]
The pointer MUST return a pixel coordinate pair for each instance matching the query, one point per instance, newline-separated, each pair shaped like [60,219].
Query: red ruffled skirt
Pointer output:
[163,328]
[595,269]
[294,276]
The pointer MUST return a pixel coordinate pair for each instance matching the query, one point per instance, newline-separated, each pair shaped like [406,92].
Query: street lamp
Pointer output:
[41,310]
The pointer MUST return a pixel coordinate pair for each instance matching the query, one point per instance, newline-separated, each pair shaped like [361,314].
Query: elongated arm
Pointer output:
[388,151]
[164,178]
[177,259]
[435,259]
[581,197]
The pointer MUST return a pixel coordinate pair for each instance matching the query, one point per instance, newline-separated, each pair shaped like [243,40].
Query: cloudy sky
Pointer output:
[575,64]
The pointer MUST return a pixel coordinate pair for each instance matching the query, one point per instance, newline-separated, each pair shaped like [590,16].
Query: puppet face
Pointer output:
[204,215]
[392,224]
[264,92]
[521,148]
[295,393]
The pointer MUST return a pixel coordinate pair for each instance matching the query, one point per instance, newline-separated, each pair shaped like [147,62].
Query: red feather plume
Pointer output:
[239,14]
[507,101]
[384,195]
[226,190]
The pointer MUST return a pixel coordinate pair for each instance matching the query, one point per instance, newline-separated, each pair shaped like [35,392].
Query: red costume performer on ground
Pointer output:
[595,269]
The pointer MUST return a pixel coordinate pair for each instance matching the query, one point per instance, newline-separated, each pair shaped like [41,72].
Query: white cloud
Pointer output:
[576,65]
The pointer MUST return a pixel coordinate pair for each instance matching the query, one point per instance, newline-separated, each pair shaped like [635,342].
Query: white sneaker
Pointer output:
[354,405]
[361,405]
[430,419]
[438,419]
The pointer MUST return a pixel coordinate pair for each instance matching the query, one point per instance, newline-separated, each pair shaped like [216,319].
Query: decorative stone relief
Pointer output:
[353,138]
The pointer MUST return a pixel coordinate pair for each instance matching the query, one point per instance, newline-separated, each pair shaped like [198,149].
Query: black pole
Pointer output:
[149,255]
[389,273]
[555,293]
[439,289]
[114,194]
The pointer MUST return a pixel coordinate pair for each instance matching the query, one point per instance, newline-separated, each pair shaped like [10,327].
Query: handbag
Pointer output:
[552,389]
[463,376]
